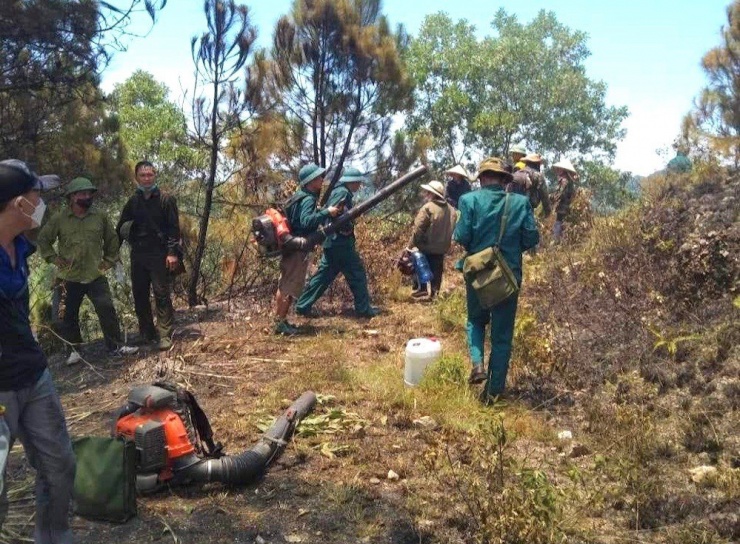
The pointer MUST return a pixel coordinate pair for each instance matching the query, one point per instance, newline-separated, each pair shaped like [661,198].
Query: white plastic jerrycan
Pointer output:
[420,353]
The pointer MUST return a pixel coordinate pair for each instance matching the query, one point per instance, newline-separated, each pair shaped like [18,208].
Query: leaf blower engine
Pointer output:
[174,439]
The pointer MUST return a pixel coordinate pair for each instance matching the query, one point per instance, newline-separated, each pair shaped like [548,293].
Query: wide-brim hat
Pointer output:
[78,185]
[310,172]
[352,175]
[518,149]
[533,157]
[564,164]
[459,170]
[493,164]
[16,178]
[435,187]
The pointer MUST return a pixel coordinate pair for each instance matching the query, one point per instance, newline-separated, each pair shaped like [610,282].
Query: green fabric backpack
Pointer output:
[105,482]
[488,272]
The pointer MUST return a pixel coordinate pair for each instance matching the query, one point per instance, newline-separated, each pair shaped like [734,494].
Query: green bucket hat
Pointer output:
[518,149]
[309,173]
[352,175]
[79,184]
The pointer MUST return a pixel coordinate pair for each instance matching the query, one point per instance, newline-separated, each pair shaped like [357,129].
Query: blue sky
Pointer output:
[648,52]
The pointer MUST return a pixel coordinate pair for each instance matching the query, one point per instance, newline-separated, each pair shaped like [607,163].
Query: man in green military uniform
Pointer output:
[567,177]
[477,228]
[87,246]
[150,223]
[340,255]
[304,218]
[681,163]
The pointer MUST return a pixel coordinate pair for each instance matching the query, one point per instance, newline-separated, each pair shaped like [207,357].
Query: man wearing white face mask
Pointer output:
[33,411]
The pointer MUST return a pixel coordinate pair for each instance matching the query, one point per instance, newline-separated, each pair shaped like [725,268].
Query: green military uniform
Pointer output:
[86,246]
[340,257]
[152,228]
[477,228]
[303,215]
[304,218]
[679,164]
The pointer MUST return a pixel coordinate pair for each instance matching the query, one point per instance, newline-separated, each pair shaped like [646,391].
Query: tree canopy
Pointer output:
[716,115]
[337,78]
[523,83]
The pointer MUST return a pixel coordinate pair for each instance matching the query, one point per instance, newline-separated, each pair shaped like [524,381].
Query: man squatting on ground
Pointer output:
[477,228]
[304,218]
[32,408]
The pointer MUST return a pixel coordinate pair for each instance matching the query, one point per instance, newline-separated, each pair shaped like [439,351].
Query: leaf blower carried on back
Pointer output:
[174,439]
[271,230]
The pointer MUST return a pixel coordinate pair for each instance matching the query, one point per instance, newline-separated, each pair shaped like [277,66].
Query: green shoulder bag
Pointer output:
[105,482]
[488,272]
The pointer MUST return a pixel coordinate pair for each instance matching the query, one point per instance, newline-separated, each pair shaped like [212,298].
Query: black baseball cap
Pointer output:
[16,178]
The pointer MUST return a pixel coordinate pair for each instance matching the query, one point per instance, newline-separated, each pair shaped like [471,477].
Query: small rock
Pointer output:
[393,476]
[701,473]
[259,540]
[293,538]
[371,332]
[578,450]
[426,422]
[374,481]
[565,435]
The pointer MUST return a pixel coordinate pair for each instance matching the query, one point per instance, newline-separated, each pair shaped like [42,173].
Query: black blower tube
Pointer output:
[296,243]
[246,467]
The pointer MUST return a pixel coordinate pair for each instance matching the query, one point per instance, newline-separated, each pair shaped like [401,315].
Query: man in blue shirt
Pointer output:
[33,411]
[477,229]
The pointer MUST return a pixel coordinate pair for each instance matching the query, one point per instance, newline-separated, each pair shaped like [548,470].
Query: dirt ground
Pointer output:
[318,490]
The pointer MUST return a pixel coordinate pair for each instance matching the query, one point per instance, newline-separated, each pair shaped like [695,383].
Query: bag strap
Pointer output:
[150,219]
[504,220]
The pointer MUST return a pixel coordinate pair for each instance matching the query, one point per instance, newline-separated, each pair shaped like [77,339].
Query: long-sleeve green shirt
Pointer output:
[340,195]
[303,215]
[480,220]
[85,243]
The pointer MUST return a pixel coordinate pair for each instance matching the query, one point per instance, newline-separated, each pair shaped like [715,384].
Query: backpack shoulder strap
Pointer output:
[504,219]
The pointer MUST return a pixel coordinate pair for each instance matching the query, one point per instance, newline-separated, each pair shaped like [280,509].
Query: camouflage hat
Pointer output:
[494,164]
[518,148]
[78,185]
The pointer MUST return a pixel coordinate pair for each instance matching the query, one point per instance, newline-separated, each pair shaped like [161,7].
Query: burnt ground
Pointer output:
[332,487]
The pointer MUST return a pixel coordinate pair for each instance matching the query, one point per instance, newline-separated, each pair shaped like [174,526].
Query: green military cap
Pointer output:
[309,173]
[518,149]
[79,184]
[352,175]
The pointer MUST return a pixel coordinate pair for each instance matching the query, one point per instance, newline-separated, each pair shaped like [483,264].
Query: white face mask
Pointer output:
[38,212]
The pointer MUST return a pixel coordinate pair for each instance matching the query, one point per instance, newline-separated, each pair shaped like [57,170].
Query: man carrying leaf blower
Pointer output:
[304,218]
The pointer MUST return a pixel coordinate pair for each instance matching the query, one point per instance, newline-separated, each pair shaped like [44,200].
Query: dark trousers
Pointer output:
[436,266]
[98,292]
[149,272]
